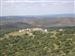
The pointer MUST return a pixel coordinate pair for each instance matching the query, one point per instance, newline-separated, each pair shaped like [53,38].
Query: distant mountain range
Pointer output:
[37,21]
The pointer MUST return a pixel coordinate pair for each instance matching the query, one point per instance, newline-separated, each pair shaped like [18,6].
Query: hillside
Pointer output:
[54,42]
[37,35]
[40,21]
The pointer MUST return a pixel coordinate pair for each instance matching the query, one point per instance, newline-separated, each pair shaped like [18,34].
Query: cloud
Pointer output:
[23,8]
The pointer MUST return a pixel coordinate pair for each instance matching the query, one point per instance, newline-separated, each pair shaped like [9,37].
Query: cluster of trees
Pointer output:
[41,44]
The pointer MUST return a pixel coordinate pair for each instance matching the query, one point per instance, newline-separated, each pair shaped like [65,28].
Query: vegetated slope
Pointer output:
[15,25]
[53,43]
[8,27]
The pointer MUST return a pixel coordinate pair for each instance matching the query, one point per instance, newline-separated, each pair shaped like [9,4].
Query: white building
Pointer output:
[60,29]
[37,29]
[46,30]
[21,30]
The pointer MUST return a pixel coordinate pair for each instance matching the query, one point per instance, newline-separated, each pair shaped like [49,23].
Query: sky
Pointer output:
[36,7]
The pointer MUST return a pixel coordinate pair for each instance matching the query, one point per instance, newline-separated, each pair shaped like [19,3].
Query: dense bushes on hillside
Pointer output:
[39,44]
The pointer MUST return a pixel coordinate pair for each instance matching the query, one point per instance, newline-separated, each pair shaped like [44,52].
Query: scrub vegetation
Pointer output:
[58,41]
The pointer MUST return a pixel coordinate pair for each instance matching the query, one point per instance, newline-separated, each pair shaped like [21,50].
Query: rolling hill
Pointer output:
[37,21]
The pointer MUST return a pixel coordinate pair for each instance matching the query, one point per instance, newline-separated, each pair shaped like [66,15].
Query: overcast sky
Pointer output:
[38,0]
[35,7]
